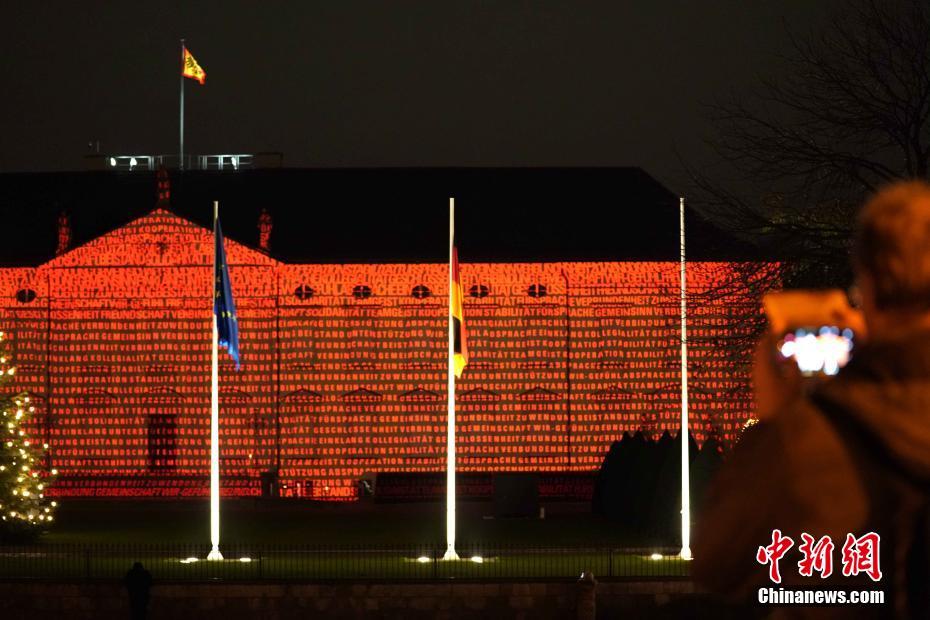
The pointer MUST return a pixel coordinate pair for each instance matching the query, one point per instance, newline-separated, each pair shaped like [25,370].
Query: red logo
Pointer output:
[817,556]
[773,553]
[860,555]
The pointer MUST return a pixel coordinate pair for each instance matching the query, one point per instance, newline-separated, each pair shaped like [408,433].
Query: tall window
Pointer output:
[238,433]
[364,433]
[362,335]
[417,425]
[543,435]
[543,331]
[423,330]
[305,433]
[162,410]
[300,339]
[485,441]
[613,321]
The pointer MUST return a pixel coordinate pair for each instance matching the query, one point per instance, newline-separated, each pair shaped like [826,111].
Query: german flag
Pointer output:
[460,348]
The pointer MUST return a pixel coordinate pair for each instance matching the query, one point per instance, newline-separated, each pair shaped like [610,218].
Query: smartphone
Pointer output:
[818,351]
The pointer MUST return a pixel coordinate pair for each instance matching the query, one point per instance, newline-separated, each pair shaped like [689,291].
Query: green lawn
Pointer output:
[308,523]
[100,539]
[167,563]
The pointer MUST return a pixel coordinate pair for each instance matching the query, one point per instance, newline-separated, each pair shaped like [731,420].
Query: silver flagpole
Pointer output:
[181,147]
[215,419]
[450,425]
[685,469]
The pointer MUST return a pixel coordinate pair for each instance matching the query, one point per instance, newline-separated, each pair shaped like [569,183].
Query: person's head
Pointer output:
[891,258]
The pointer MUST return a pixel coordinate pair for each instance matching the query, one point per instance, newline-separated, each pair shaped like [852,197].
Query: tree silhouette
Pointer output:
[799,155]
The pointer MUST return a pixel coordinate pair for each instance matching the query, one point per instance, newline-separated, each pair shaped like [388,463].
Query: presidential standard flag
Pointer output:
[227,324]
[191,69]
[460,347]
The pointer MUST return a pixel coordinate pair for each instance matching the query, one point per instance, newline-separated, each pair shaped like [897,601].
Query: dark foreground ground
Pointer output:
[285,540]
[359,560]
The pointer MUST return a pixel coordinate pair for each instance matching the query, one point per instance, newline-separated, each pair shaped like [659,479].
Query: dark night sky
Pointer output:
[354,83]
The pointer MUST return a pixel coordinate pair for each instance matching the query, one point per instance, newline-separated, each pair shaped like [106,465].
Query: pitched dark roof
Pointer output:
[378,215]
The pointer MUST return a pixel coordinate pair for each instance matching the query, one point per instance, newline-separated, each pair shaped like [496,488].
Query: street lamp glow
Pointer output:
[477,559]
[422,559]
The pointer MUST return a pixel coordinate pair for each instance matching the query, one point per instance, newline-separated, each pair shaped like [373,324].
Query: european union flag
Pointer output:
[227,324]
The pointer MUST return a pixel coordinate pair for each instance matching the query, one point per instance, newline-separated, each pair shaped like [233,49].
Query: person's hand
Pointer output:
[786,311]
[775,384]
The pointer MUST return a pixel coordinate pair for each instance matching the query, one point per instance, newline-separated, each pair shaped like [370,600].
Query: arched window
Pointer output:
[304,292]
[361,291]
[537,290]
[25,295]
[479,290]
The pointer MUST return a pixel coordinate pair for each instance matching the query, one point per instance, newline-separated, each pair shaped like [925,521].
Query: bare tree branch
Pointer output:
[800,154]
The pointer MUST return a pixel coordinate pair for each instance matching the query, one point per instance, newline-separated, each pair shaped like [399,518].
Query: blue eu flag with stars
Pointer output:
[227,323]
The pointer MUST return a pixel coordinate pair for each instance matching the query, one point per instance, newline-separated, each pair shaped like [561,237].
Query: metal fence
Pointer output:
[316,563]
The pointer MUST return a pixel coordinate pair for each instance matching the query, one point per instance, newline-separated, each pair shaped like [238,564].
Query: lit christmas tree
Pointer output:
[24,509]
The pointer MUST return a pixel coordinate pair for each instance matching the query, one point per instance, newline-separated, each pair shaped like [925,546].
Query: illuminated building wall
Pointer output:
[344,365]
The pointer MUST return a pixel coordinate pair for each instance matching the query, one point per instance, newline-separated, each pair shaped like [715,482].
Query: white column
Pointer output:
[450,424]
[215,422]
[685,469]
[181,137]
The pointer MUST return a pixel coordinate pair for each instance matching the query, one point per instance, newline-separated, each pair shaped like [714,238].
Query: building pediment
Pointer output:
[539,393]
[420,394]
[479,394]
[612,393]
[159,238]
[362,395]
[304,395]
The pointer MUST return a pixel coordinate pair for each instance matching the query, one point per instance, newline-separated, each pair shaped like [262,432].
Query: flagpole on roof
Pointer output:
[685,469]
[214,417]
[181,146]
[450,423]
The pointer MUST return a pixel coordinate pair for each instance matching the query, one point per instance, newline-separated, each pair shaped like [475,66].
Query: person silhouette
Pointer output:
[138,582]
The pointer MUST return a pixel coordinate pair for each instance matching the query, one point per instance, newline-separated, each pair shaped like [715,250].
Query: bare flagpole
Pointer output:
[450,424]
[685,469]
[181,147]
[215,419]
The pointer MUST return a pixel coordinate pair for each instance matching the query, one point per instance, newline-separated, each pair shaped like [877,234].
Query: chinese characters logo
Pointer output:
[859,555]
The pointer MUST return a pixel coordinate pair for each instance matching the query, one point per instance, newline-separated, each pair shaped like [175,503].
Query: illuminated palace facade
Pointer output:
[343,370]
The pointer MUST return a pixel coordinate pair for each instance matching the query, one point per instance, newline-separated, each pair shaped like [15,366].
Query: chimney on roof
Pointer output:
[64,233]
[164,188]
[264,230]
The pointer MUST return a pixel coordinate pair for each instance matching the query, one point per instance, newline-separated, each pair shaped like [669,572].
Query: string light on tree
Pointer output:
[24,508]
